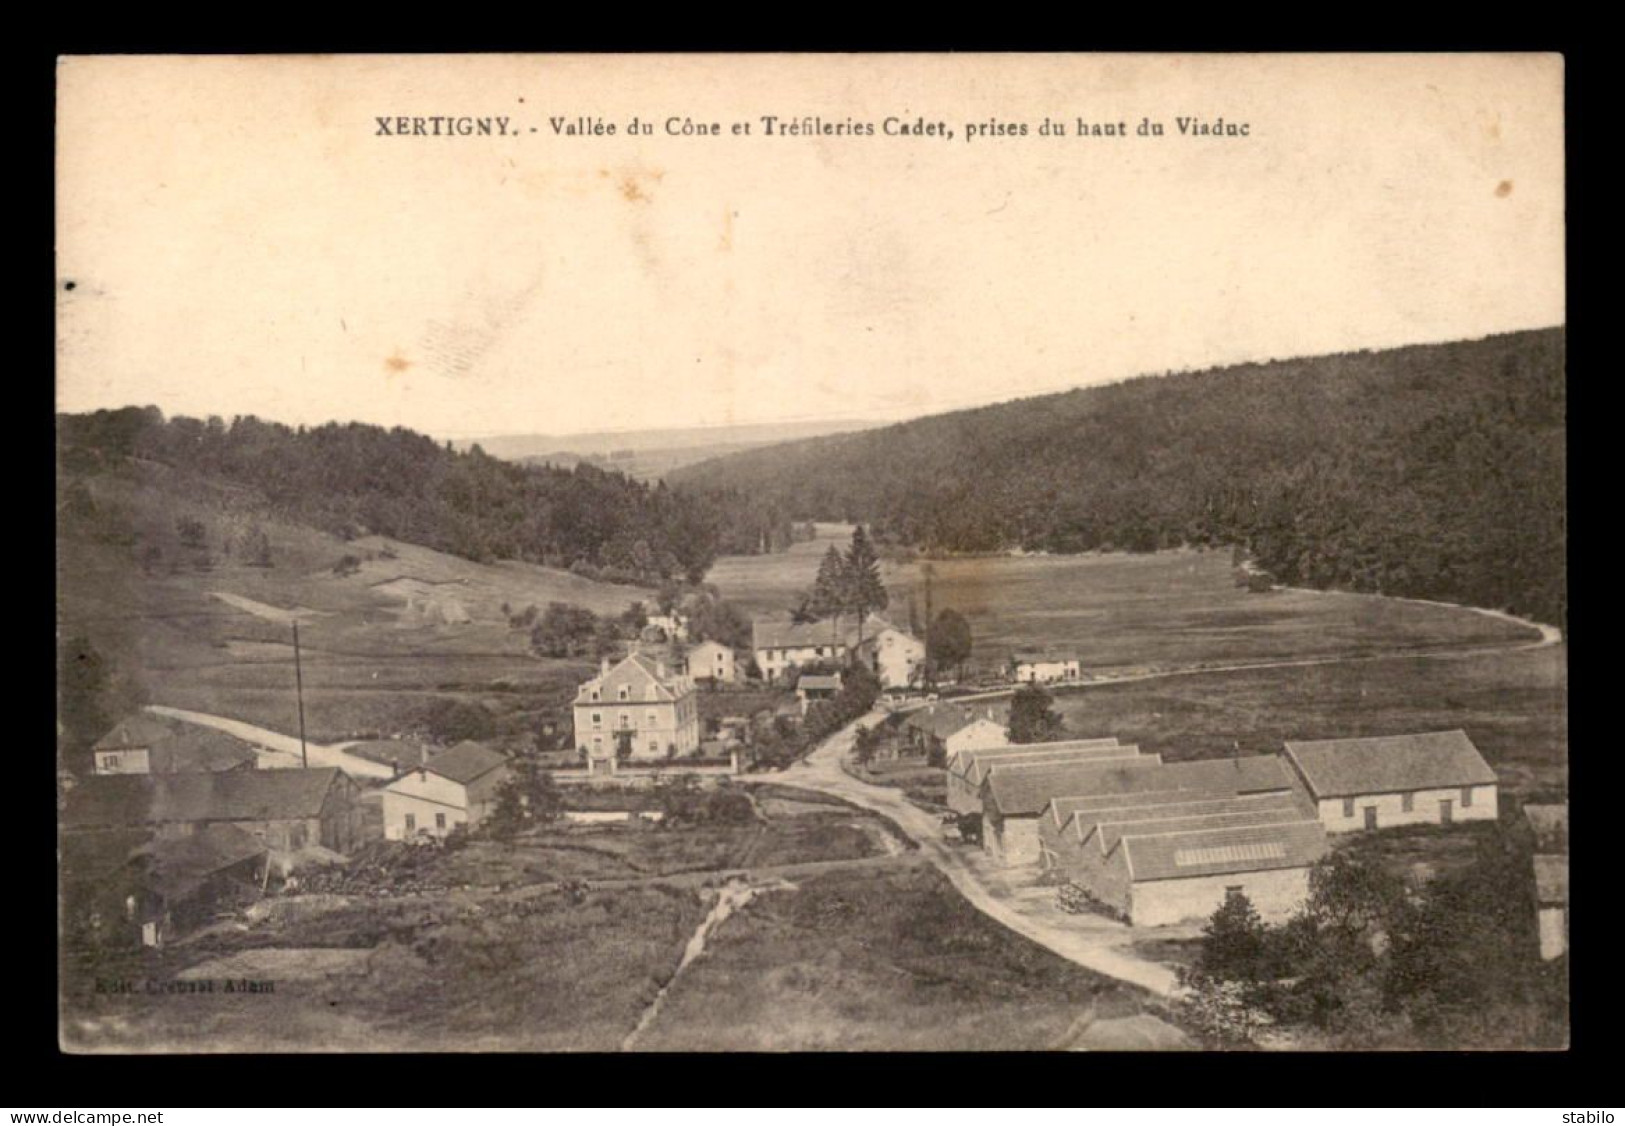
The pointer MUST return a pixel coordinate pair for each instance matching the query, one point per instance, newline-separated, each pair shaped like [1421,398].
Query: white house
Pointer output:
[713,661]
[639,702]
[1373,783]
[896,656]
[673,625]
[456,787]
[1044,668]
[778,642]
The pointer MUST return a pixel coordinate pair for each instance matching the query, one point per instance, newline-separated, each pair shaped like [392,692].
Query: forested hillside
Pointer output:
[356,479]
[1432,471]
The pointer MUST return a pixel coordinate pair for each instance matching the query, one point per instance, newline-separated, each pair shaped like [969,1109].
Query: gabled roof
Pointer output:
[636,671]
[1390,764]
[1552,880]
[980,768]
[1029,657]
[1110,833]
[819,683]
[1214,852]
[1025,791]
[466,762]
[176,747]
[175,868]
[98,854]
[940,720]
[107,800]
[780,631]
[707,645]
[961,760]
[391,752]
[1195,804]
[1246,774]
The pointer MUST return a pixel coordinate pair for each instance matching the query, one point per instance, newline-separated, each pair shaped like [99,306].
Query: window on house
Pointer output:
[1348,807]
[1407,802]
[411,822]
[597,718]
[1233,890]
[626,721]
[624,693]
[111,762]
[654,746]
[653,719]
[1466,796]
[595,694]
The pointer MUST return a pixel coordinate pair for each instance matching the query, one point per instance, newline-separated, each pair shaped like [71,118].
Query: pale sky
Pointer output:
[240,241]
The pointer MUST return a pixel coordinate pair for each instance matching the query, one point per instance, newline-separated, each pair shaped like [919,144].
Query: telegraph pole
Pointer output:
[299,687]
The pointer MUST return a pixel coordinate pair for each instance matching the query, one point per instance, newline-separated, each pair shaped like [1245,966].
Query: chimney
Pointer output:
[423,774]
[603,667]
[660,669]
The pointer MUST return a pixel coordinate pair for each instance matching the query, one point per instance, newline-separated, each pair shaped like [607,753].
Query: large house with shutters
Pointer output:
[641,705]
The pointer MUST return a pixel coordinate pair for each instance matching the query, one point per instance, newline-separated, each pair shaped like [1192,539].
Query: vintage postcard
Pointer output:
[811,552]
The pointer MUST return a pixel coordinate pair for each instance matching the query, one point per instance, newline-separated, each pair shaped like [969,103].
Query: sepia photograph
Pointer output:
[811,553]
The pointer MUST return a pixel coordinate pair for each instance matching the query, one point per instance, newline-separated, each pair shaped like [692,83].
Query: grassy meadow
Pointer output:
[1125,613]
[1512,705]
[373,654]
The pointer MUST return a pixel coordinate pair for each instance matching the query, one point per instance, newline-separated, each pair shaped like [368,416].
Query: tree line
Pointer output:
[1433,471]
[354,479]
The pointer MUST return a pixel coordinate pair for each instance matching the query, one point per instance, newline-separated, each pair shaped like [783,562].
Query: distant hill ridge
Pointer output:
[1430,471]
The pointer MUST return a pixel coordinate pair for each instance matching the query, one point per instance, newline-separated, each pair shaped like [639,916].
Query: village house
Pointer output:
[1167,856]
[952,728]
[1044,668]
[638,705]
[674,626]
[711,661]
[1014,797]
[968,769]
[455,787]
[127,887]
[780,643]
[290,811]
[814,687]
[149,744]
[1373,783]
[896,656]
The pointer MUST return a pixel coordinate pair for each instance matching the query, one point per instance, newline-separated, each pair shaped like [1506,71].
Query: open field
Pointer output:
[1174,609]
[892,960]
[411,626]
[1512,705]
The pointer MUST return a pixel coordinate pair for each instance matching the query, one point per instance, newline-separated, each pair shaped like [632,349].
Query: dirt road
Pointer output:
[279,751]
[1096,943]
